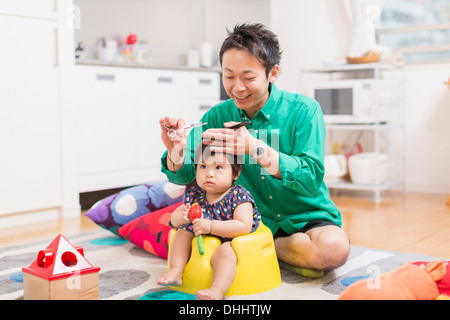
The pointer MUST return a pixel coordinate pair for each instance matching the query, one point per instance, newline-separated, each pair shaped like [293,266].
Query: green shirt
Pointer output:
[293,125]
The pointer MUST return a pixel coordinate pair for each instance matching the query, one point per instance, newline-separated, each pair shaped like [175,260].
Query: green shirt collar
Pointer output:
[268,108]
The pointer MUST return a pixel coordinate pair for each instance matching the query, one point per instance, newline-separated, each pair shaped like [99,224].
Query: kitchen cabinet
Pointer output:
[118,113]
[44,9]
[106,107]
[183,94]
[30,159]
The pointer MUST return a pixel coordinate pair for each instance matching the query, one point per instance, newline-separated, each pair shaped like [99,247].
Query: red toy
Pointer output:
[196,213]
[61,272]
[131,39]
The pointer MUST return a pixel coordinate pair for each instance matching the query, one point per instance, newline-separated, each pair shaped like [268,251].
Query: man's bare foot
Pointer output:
[210,294]
[172,278]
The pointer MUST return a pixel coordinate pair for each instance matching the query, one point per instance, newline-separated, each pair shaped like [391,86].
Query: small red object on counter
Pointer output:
[131,39]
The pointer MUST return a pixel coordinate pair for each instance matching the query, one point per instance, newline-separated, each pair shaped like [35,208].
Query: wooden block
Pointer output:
[61,272]
[75,287]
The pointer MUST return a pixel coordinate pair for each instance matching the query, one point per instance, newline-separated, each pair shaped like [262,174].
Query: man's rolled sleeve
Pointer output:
[182,176]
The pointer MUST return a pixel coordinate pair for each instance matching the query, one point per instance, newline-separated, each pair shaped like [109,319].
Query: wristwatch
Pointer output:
[258,152]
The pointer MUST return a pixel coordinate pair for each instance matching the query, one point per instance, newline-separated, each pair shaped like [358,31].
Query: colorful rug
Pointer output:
[130,273]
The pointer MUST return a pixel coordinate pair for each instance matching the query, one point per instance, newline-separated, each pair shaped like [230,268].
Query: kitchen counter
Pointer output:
[129,64]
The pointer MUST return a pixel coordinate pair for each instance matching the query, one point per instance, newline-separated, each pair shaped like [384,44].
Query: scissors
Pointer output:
[172,132]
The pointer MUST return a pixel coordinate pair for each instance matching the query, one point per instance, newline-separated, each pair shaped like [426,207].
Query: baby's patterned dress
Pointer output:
[223,209]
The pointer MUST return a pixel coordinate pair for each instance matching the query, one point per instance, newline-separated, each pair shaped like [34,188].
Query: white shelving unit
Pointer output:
[380,131]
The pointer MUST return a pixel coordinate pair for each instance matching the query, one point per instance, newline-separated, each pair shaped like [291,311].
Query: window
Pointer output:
[419,29]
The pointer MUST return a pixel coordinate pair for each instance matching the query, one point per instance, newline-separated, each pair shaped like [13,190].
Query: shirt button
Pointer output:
[256,131]
[278,215]
[270,197]
[263,177]
[268,116]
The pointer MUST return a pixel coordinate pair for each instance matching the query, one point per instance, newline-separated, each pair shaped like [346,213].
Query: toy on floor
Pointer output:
[412,281]
[61,272]
[257,268]
[195,212]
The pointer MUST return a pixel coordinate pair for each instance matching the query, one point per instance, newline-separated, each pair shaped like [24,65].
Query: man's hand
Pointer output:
[177,144]
[233,141]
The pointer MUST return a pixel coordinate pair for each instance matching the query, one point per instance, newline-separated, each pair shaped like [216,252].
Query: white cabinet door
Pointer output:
[106,122]
[179,94]
[153,103]
[30,168]
[203,89]
[164,95]
[187,94]
[30,8]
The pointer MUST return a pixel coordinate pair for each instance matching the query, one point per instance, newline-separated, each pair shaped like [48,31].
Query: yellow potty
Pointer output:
[257,267]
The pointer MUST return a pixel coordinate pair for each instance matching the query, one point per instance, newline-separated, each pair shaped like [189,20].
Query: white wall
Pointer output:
[172,27]
[309,32]
[428,128]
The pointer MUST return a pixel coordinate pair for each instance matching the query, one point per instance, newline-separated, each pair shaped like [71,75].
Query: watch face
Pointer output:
[259,151]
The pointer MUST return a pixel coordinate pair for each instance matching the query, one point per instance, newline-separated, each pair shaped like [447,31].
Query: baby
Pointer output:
[228,211]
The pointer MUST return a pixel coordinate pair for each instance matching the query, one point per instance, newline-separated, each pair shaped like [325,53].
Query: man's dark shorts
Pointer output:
[307,227]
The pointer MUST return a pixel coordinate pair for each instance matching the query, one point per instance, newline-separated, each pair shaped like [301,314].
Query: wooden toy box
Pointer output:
[61,272]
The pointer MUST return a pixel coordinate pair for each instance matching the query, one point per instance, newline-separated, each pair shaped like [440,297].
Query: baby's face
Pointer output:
[214,174]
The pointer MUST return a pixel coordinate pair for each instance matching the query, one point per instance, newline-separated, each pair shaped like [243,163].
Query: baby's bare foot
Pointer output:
[210,294]
[172,278]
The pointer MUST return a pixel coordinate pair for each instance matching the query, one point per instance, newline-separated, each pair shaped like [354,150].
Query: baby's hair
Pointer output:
[203,152]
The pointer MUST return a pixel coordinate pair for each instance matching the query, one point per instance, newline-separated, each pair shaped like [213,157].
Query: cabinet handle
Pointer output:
[164,79]
[105,77]
[55,47]
[204,81]
[204,107]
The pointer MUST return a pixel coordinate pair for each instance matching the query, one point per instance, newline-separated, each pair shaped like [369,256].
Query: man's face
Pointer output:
[245,81]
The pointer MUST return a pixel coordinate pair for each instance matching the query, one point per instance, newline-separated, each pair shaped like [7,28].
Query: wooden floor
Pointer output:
[416,223]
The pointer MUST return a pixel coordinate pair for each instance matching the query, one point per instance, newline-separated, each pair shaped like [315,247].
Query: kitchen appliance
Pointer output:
[206,55]
[368,168]
[353,101]
[109,52]
[193,58]
[335,168]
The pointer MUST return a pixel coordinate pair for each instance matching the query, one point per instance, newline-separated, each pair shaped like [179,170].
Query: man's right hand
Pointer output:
[176,144]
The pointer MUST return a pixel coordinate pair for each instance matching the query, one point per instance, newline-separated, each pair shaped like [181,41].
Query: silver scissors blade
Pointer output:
[172,132]
[192,125]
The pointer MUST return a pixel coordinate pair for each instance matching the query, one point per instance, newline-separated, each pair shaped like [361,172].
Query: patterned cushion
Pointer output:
[151,231]
[118,209]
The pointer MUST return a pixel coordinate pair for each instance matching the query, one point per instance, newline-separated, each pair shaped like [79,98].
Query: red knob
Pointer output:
[195,212]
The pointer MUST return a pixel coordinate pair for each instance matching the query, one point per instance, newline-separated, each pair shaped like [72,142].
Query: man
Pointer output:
[283,149]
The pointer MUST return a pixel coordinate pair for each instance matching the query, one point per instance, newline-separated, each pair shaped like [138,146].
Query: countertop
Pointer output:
[129,64]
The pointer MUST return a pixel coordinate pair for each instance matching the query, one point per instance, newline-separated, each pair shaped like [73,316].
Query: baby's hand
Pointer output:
[185,212]
[202,226]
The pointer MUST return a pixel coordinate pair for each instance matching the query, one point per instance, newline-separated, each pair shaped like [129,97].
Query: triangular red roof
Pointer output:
[60,260]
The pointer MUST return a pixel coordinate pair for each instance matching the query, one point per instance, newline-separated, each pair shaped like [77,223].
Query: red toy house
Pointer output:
[60,272]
